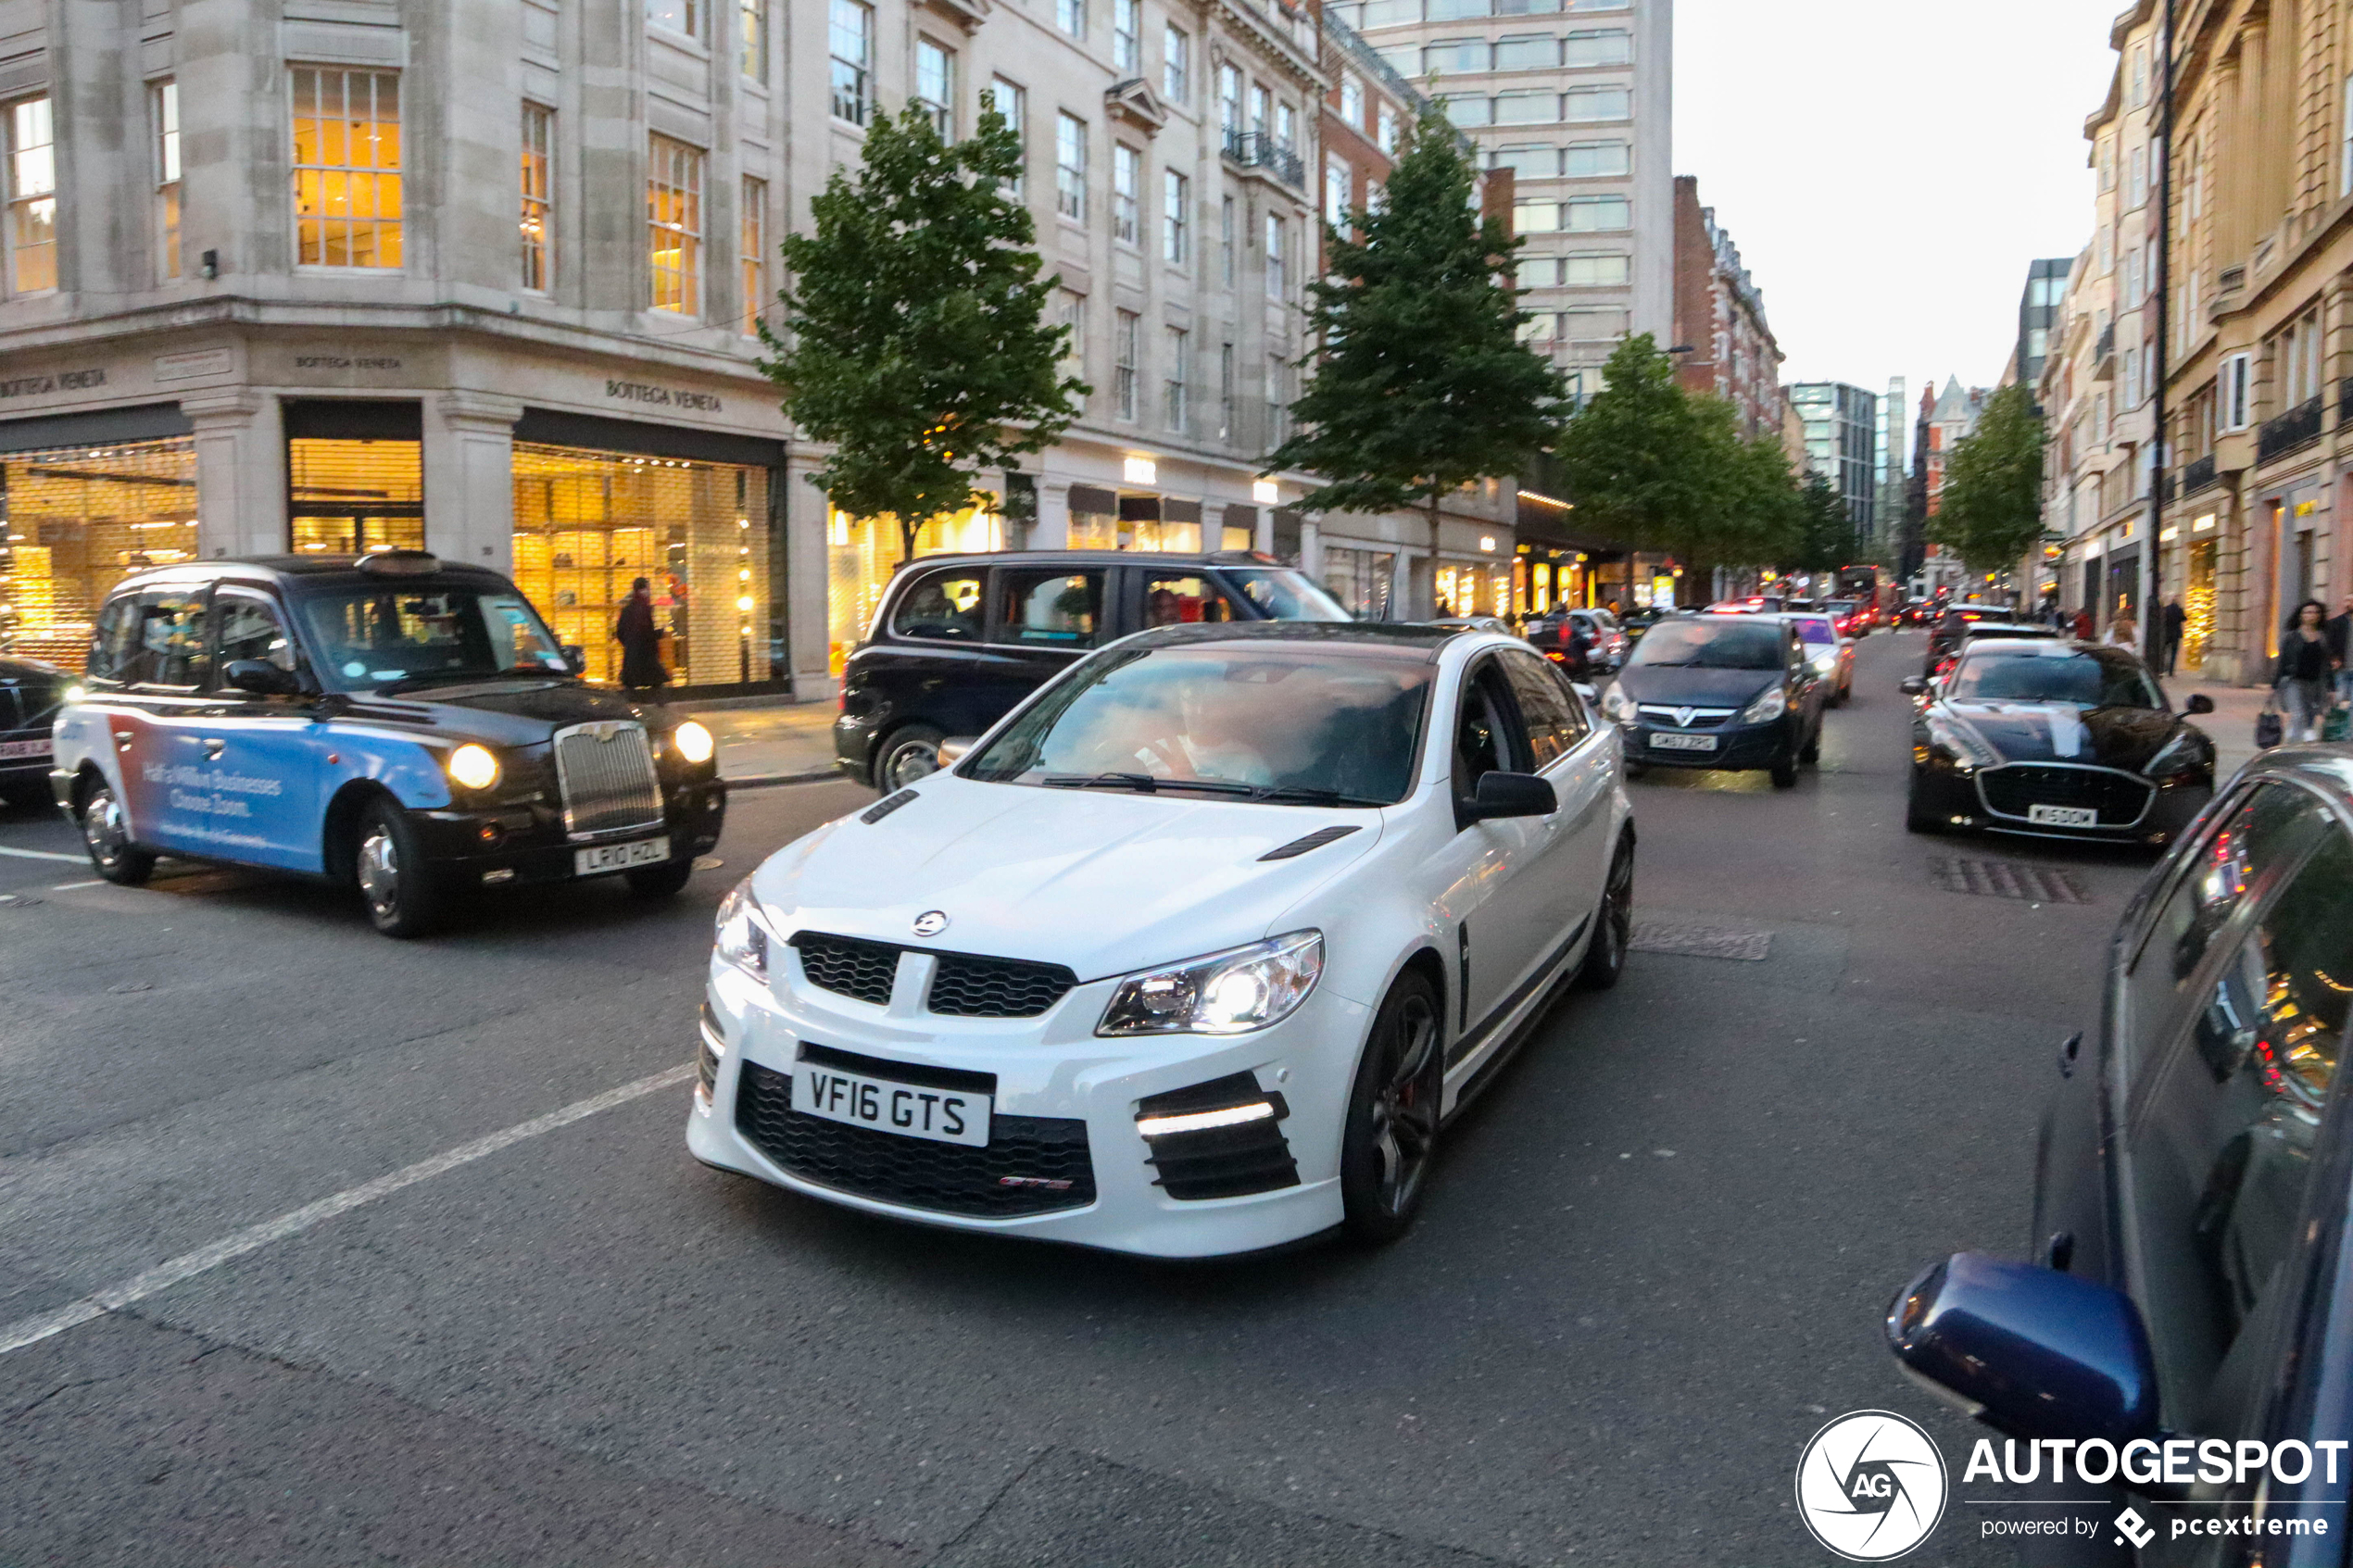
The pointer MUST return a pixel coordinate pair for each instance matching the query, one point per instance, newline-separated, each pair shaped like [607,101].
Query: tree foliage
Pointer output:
[1824,537]
[1991,509]
[1419,385]
[915,339]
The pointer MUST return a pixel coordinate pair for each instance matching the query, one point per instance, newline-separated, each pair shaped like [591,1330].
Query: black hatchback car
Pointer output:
[2189,1279]
[31,694]
[958,640]
[1735,691]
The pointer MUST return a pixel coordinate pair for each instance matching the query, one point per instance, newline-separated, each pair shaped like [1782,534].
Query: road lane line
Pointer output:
[70,886]
[44,855]
[164,1276]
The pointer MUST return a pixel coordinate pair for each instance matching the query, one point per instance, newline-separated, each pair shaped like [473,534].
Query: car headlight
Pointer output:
[1826,661]
[473,766]
[1962,746]
[2176,756]
[1772,702]
[694,742]
[741,937]
[1614,705]
[1229,993]
[74,694]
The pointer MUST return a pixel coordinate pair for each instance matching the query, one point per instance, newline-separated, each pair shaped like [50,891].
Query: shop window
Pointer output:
[75,522]
[32,192]
[862,553]
[1360,579]
[350,497]
[589,524]
[347,177]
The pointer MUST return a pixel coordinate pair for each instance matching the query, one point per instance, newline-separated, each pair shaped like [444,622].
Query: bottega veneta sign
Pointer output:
[63,380]
[667,396]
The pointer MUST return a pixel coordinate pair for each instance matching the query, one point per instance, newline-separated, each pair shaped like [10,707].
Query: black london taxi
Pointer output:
[32,691]
[959,640]
[391,721]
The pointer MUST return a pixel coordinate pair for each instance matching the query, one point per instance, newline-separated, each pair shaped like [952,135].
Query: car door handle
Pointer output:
[122,739]
[213,746]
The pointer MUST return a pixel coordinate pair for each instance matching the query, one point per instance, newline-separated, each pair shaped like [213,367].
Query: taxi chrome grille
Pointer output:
[1032,1165]
[964,987]
[606,771]
[2120,799]
[847,967]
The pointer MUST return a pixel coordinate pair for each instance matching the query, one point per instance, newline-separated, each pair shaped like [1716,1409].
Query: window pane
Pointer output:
[1528,52]
[1611,48]
[1527,109]
[1596,159]
[1468,111]
[346,181]
[1598,102]
[1590,214]
[944,607]
[1056,608]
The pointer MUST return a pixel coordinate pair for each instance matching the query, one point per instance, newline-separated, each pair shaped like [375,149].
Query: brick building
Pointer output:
[1719,317]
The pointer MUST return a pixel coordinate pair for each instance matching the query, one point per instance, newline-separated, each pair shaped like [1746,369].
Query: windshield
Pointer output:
[369,638]
[1283,595]
[1814,629]
[1315,722]
[2053,673]
[1839,607]
[1713,645]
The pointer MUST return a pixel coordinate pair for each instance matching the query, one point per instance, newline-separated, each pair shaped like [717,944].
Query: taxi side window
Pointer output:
[1183,601]
[1554,721]
[167,641]
[1050,607]
[114,642]
[249,629]
[944,607]
[2224,1144]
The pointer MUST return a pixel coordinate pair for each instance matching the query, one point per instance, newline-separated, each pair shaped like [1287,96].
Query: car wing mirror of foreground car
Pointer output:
[2198,703]
[952,749]
[1511,795]
[2029,1350]
[259,677]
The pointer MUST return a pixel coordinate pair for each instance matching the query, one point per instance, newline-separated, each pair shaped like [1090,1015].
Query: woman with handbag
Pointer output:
[2300,681]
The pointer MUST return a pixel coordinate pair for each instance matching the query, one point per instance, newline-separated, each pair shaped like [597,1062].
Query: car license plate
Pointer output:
[2064,816]
[1668,740]
[16,750]
[620,857]
[908,1110]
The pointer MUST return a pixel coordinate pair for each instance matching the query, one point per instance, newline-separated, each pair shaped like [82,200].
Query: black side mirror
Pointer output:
[260,677]
[575,658]
[2027,1351]
[1913,685]
[1511,795]
[2198,703]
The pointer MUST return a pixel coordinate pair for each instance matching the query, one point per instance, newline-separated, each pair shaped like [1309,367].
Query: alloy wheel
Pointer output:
[1404,1108]
[102,828]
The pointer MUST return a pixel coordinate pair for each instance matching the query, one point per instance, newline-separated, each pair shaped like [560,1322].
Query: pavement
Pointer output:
[790,743]
[321,1249]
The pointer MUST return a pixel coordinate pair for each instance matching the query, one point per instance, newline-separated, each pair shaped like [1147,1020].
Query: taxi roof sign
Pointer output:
[400,563]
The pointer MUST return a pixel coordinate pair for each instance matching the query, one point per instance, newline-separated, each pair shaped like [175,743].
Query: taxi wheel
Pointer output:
[661,881]
[395,880]
[1392,1135]
[911,753]
[106,833]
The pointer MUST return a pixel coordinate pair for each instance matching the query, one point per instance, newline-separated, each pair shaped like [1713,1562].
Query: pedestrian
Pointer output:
[2175,618]
[2340,633]
[640,640]
[2300,680]
[2124,633]
[2084,625]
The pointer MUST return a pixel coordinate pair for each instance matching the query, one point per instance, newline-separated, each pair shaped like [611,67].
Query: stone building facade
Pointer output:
[1719,318]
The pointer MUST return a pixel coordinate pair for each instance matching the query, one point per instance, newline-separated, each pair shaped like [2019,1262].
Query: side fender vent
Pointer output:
[882,808]
[1316,840]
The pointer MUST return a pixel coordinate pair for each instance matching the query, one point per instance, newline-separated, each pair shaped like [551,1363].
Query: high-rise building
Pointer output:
[1573,97]
[1841,444]
[1722,342]
[1894,457]
[2038,315]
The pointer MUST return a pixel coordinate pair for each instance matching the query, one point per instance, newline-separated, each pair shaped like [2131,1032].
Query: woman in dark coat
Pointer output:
[640,641]
[2300,684]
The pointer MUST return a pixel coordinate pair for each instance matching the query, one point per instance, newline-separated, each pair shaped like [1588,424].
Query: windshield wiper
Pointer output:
[1311,795]
[1148,783]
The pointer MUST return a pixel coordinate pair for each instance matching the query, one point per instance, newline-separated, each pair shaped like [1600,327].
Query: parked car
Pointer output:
[1832,652]
[1721,691]
[1606,637]
[31,693]
[1195,953]
[958,640]
[393,722]
[2055,739]
[1635,622]
[1961,621]
[1851,617]
[2187,1266]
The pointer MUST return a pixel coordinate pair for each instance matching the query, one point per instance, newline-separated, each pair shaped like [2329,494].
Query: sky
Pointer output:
[1888,168]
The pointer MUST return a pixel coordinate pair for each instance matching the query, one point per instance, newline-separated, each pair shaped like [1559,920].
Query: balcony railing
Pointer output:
[2198,475]
[1256,149]
[2299,427]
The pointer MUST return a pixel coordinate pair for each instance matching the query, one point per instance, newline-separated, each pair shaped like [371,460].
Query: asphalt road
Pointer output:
[1653,1262]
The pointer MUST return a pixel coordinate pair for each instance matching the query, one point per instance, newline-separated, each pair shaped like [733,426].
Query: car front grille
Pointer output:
[1032,1165]
[2008,791]
[1671,718]
[606,771]
[847,967]
[964,987]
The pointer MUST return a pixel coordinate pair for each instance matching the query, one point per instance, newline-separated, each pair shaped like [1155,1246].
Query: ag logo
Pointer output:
[931,923]
[1871,1486]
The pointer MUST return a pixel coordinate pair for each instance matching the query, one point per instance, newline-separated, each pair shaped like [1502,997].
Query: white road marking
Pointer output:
[70,886]
[164,1276]
[44,855]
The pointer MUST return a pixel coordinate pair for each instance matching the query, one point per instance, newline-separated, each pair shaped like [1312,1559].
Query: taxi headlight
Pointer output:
[473,766]
[742,935]
[1772,702]
[1229,993]
[694,742]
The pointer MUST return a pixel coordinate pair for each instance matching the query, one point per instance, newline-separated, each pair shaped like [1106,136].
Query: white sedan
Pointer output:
[1195,953]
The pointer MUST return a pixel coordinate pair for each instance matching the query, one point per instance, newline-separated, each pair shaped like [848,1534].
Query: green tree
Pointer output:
[1420,385]
[1991,509]
[1825,536]
[1656,468]
[914,337]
